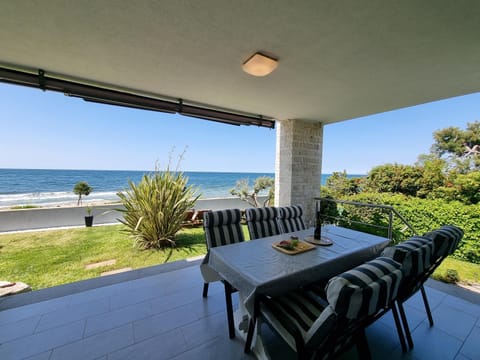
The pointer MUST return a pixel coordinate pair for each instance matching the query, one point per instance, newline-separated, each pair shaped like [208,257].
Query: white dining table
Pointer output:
[255,267]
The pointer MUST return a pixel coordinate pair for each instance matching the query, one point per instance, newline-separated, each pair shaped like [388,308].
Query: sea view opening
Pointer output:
[257,253]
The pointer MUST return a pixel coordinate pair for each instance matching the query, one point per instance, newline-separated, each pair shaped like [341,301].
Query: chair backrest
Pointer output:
[417,258]
[291,218]
[445,240]
[415,254]
[222,227]
[262,222]
[366,289]
[354,297]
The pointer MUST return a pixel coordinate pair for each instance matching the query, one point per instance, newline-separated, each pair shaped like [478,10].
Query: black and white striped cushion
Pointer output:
[299,312]
[352,295]
[222,227]
[445,239]
[415,255]
[291,218]
[366,289]
[262,222]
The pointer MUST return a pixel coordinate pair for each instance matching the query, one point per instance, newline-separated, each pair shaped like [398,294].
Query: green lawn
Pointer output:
[48,258]
[467,272]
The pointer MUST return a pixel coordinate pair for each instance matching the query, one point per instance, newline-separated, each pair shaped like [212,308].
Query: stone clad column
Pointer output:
[298,164]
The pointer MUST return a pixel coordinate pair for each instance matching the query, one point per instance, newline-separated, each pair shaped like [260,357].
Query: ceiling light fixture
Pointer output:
[259,64]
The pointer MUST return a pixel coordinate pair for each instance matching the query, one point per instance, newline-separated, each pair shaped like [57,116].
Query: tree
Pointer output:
[339,184]
[461,148]
[394,178]
[263,183]
[82,188]
[433,175]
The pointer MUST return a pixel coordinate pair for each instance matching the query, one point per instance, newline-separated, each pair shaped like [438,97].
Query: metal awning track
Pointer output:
[120,98]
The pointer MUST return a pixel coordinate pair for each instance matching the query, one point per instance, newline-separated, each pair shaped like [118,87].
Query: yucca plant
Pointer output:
[156,206]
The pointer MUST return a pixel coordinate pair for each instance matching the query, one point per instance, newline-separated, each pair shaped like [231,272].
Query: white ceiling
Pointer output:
[338,59]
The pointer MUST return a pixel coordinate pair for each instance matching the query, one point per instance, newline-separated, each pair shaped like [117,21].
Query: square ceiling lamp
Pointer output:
[259,64]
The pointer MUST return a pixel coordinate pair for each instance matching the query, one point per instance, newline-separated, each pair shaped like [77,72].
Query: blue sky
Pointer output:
[48,130]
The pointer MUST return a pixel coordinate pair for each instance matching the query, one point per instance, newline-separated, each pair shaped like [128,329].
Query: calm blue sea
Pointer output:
[54,187]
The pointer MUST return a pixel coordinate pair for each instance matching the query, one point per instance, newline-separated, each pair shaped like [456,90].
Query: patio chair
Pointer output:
[312,326]
[291,218]
[262,222]
[221,228]
[420,256]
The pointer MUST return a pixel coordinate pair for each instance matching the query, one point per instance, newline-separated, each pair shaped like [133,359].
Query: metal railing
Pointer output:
[334,215]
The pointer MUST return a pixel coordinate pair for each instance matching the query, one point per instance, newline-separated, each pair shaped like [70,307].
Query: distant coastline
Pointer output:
[53,188]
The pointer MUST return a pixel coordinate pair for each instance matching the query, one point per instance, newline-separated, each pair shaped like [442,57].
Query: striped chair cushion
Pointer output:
[445,239]
[302,313]
[222,227]
[366,289]
[415,255]
[262,222]
[291,218]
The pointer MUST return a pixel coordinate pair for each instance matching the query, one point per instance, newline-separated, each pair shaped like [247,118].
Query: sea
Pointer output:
[41,187]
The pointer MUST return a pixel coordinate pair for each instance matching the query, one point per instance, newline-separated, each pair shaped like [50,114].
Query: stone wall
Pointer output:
[298,165]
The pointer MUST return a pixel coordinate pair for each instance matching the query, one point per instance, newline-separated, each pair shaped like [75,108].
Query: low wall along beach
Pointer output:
[42,218]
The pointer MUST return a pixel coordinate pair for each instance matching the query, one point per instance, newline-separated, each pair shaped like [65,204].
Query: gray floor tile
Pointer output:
[176,322]
[18,329]
[219,348]
[462,305]
[116,318]
[204,307]
[453,321]
[160,347]
[471,347]
[42,356]
[88,296]
[414,317]
[172,301]
[23,312]
[41,342]
[95,346]
[72,313]
[433,343]
[382,340]
[462,357]
[163,322]
[134,296]
[206,329]
[435,297]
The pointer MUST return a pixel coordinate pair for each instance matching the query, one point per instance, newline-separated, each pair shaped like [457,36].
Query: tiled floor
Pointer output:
[164,317]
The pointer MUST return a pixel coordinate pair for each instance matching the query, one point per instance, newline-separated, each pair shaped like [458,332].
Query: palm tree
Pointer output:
[81,188]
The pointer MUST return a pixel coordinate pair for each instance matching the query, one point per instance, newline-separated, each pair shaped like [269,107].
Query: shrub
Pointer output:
[451,276]
[155,208]
[425,215]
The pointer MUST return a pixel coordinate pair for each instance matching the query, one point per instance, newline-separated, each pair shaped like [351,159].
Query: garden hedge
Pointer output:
[425,215]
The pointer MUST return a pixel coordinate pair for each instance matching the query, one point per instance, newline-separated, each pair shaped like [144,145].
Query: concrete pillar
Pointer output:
[298,164]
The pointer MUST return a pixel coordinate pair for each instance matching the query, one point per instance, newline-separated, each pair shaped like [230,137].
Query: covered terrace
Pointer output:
[336,61]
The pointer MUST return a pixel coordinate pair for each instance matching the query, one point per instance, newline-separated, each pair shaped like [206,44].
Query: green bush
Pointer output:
[155,208]
[425,215]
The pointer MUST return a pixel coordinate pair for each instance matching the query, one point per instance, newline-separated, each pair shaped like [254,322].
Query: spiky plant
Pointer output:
[156,206]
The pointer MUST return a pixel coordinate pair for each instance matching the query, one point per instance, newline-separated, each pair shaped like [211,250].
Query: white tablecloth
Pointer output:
[255,267]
